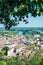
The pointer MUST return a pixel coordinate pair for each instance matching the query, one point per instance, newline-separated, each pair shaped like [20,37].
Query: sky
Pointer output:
[33,22]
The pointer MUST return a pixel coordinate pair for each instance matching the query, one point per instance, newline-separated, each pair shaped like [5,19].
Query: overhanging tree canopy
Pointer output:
[19,9]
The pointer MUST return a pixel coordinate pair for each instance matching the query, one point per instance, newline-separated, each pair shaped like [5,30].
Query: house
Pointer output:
[26,53]
[41,47]
[11,52]
[36,36]
[27,42]
[14,50]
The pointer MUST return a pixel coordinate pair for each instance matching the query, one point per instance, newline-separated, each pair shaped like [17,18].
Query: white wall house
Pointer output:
[11,53]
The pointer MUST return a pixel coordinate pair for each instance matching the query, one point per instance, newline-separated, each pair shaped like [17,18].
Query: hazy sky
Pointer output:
[33,22]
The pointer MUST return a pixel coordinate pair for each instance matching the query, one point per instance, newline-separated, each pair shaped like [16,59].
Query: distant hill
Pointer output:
[23,28]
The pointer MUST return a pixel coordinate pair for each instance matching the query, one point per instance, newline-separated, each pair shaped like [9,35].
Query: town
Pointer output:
[19,45]
[21,32]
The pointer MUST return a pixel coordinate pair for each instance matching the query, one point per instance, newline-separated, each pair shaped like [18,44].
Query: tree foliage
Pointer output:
[26,61]
[19,9]
[41,62]
[2,63]
[5,49]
